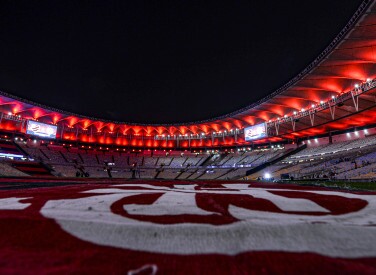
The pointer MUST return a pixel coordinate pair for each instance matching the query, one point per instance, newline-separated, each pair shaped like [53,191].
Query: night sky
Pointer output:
[160,61]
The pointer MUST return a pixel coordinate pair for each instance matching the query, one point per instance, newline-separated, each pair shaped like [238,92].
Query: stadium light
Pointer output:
[267,176]
[313,105]
[333,97]
[356,85]
[321,102]
[368,80]
[294,112]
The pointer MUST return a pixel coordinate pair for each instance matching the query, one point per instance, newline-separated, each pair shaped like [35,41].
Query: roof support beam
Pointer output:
[312,118]
[355,99]
[276,127]
[62,131]
[332,110]
[22,125]
[293,122]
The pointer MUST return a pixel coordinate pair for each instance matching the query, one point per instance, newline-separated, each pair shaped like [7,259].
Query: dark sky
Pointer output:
[160,61]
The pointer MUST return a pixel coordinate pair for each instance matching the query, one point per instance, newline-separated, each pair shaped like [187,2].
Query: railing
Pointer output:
[220,134]
[323,105]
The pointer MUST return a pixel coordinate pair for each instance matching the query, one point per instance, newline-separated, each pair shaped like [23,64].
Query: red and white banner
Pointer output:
[168,227]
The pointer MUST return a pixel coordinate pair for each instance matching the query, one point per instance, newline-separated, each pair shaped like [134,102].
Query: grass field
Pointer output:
[341,184]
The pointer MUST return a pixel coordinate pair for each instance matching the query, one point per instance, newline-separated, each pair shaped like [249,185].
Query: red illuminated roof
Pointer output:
[348,60]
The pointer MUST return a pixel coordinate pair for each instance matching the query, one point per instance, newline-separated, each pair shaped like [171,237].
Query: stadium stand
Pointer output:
[7,170]
[352,159]
[345,159]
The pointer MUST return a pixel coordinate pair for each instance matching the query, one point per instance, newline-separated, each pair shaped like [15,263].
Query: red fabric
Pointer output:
[33,244]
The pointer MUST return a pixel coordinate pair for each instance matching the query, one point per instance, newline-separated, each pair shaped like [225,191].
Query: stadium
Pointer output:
[283,185]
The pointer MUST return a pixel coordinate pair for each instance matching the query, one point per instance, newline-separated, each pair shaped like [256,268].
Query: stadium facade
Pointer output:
[335,92]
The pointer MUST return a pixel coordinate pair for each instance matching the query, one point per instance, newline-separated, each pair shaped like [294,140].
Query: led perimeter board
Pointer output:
[255,132]
[41,129]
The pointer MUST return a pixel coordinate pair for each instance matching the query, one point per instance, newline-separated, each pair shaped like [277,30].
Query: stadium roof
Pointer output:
[348,61]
